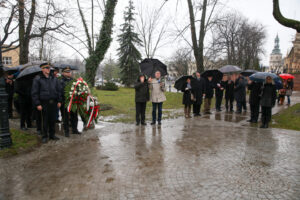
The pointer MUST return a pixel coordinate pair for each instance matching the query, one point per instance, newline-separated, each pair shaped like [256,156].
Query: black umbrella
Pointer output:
[216,74]
[179,83]
[150,66]
[29,72]
[63,65]
[248,72]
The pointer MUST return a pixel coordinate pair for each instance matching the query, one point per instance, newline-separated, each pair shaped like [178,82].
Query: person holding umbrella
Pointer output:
[240,93]
[9,87]
[46,97]
[289,90]
[199,92]
[141,98]
[68,116]
[229,94]
[209,94]
[254,99]
[157,97]
[188,97]
[267,101]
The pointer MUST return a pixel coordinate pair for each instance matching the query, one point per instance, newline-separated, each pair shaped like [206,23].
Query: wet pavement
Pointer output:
[212,157]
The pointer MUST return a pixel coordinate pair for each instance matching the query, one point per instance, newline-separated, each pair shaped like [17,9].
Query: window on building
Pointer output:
[6,60]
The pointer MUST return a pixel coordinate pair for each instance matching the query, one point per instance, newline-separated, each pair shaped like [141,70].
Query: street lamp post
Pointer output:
[5,138]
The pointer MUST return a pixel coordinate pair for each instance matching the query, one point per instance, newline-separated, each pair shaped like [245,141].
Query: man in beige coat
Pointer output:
[157,97]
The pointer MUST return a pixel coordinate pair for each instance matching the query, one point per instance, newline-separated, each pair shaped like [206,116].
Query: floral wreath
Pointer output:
[79,98]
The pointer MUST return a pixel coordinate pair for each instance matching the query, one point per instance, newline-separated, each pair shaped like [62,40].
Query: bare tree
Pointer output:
[181,61]
[31,23]
[206,21]
[240,41]
[152,27]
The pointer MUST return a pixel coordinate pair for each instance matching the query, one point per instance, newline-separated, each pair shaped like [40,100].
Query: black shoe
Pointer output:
[263,126]
[208,113]
[137,124]
[144,124]
[254,121]
[58,121]
[31,126]
[159,123]
[67,134]
[231,110]
[266,125]
[76,132]
[44,140]
[250,120]
[153,123]
[24,128]
[39,132]
[54,138]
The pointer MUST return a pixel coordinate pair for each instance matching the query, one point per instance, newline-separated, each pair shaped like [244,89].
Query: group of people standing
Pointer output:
[202,89]
[40,99]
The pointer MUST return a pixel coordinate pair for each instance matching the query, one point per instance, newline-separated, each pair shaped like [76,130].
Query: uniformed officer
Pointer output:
[46,97]
[68,116]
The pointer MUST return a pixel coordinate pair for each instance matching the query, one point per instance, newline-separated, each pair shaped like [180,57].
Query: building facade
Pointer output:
[10,58]
[276,62]
[292,60]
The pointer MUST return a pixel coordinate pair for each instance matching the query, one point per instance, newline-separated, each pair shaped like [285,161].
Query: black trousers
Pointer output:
[266,113]
[196,108]
[229,103]
[219,99]
[241,105]
[140,111]
[10,104]
[254,112]
[70,117]
[38,117]
[25,108]
[48,118]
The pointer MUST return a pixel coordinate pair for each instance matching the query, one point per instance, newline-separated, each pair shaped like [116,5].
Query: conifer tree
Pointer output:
[129,55]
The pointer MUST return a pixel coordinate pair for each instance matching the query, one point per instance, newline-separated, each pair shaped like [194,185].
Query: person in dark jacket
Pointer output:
[46,97]
[267,101]
[219,95]
[68,117]
[229,94]
[141,98]
[240,93]
[254,100]
[198,91]
[9,87]
[23,89]
[187,98]
[209,94]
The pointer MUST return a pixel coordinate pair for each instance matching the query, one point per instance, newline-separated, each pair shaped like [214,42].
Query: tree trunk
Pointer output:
[194,36]
[282,20]
[201,37]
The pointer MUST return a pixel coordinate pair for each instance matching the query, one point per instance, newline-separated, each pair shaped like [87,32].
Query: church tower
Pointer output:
[276,64]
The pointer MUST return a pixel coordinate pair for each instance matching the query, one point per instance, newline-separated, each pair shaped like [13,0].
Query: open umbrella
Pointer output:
[228,69]
[216,74]
[29,72]
[150,66]
[179,83]
[11,70]
[63,65]
[286,76]
[261,77]
[249,72]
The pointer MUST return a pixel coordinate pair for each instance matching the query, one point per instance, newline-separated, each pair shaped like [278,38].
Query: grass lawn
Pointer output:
[123,105]
[22,142]
[288,119]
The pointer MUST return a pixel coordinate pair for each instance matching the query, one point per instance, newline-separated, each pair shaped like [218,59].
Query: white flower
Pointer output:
[91,103]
